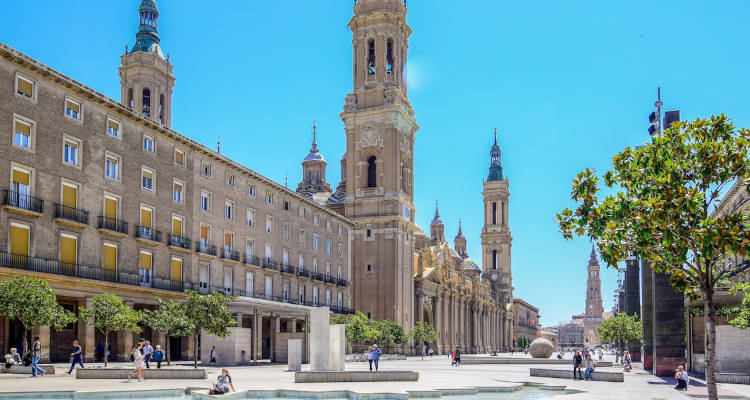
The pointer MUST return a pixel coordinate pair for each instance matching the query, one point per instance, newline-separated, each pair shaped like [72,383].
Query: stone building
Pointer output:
[102,196]
[593,316]
[525,321]
[570,334]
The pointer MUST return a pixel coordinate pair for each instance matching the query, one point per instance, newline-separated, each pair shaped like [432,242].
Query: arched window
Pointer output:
[389,57]
[317,176]
[146,102]
[371,177]
[161,109]
[371,58]
[494,213]
[130,98]
[494,259]
[309,177]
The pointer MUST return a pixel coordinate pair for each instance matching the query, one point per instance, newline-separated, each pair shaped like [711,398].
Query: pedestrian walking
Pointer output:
[589,367]
[457,357]
[76,357]
[376,355]
[99,352]
[36,354]
[213,355]
[148,350]
[626,361]
[138,362]
[577,361]
[617,356]
[682,378]
[601,355]
[158,356]
[368,356]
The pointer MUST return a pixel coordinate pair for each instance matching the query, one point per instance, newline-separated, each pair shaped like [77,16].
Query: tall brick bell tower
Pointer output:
[380,129]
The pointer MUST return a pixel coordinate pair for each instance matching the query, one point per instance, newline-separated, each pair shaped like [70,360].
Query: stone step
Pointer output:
[20,369]
[606,376]
[355,376]
[151,373]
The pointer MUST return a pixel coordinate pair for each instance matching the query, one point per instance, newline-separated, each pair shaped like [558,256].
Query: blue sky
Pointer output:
[569,84]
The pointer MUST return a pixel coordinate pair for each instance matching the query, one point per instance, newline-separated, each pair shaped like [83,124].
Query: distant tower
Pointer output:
[496,240]
[146,80]
[594,309]
[314,170]
[437,229]
[459,242]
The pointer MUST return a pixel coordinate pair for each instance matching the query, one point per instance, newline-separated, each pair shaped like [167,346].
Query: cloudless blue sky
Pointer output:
[569,84]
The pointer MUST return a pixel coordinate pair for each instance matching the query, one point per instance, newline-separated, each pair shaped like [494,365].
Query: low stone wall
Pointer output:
[733,378]
[20,369]
[152,373]
[568,374]
[355,376]
[513,360]
[359,357]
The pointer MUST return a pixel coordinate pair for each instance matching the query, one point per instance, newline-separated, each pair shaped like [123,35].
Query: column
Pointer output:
[669,327]
[44,339]
[125,340]
[438,324]
[239,319]
[86,333]
[275,329]
[632,299]
[647,316]
[293,329]
[306,343]
[475,329]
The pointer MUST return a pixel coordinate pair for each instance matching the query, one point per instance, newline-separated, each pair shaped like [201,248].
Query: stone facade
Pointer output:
[570,334]
[594,309]
[525,321]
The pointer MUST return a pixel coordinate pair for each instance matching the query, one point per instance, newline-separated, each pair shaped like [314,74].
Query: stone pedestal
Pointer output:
[294,357]
[647,316]
[337,348]
[319,338]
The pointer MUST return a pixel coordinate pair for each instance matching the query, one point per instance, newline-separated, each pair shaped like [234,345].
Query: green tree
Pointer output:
[109,314]
[33,302]
[170,318]
[359,328]
[390,332]
[621,329]
[423,331]
[742,320]
[208,313]
[659,204]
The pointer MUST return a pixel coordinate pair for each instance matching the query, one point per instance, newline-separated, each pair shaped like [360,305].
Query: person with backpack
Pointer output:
[158,356]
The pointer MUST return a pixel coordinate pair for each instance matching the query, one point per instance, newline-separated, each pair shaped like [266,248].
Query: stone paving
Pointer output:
[435,373]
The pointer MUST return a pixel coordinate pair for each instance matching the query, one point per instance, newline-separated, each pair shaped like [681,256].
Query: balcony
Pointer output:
[146,233]
[318,277]
[303,273]
[97,273]
[112,226]
[23,204]
[180,243]
[341,310]
[251,259]
[342,282]
[206,248]
[229,254]
[288,269]
[330,279]
[270,264]
[71,216]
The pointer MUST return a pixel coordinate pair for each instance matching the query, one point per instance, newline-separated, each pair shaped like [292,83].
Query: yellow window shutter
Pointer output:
[114,125]
[19,240]
[68,249]
[145,261]
[23,128]
[73,106]
[179,157]
[176,270]
[110,208]
[22,177]
[228,239]
[25,87]
[204,232]
[110,258]
[176,226]
[69,196]
[145,217]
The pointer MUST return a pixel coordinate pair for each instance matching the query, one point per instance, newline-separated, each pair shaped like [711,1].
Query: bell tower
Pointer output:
[146,80]
[594,314]
[496,240]
[380,129]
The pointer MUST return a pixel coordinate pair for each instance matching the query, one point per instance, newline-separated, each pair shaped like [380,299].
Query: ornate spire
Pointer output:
[436,219]
[147,37]
[314,148]
[496,167]
[460,234]
[592,257]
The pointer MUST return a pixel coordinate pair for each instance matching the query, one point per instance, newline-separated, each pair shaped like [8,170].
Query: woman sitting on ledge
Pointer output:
[224,385]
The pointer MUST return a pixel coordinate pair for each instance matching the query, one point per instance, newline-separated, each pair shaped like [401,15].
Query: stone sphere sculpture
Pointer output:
[541,348]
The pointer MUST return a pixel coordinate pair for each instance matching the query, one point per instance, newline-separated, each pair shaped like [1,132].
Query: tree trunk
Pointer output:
[25,341]
[166,346]
[710,358]
[106,346]
[195,350]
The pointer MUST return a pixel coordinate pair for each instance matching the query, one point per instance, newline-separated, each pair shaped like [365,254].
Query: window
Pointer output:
[249,283]
[205,201]
[250,218]
[315,241]
[130,98]
[371,58]
[147,218]
[269,224]
[287,206]
[328,298]
[250,189]
[340,251]
[177,191]
[340,300]
[177,223]
[25,87]
[148,143]
[70,151]
[205,235]
[369,267]
[302,238]
[229,210]
[205,168]
[368,232]
[112,167]
[301,212]
[494,259]
[146,103]
[286,291]
[73,109]
[285,231]
[315,296]
[494,213]
[68,250]
[341,230]
[22,130]
[228,242]
[269,198]
[109,260]
[389,57]
[176,269]
[113,127]
[329,246]
[285,257]
[249,248]
[229,179]
[301,294]
[316,219]
[328,270]
[315,265]
[179,157]
[328,224]
[19,239]
[269,287]
[301,262]
[111,207]
[371,169]
[69,195]
[269,252]
[340,272]
[147,179]
[145,262]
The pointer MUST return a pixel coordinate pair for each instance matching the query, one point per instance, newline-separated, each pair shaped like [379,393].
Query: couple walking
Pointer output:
[373,355]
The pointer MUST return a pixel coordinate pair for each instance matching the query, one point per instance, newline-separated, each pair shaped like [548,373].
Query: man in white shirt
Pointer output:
[682,378]
[147,352]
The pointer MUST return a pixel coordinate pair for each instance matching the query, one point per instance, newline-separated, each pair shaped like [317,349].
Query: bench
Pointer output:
[355,376]
[606,376]
[151,373]
[733,378]
[21,369]
[513,360]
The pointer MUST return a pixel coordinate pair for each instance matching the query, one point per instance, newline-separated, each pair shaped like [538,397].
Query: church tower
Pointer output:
[146,80]
[314,170]
[380,129]
[496,240]
[459,242]
[437,228]
[594,309]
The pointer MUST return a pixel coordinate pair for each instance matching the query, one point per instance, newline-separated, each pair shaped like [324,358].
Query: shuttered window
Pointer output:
[228,239]
[113,128]
[146,217]
[176,269]
[145,260]
[19,239]
[179,157]
[204,233]
[21,177]
[176,226]
[109,256]
[22,135]
[25,87]
[147,179]
[68,249]
[110,207]
[69,196]
[72,109]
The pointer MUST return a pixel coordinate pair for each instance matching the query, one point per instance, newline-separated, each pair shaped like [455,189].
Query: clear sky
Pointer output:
[568,84]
